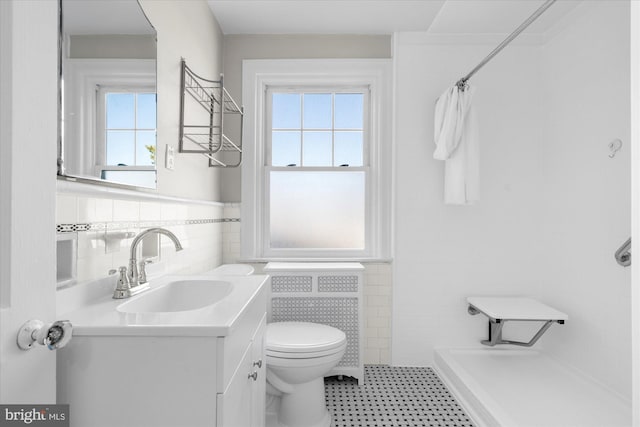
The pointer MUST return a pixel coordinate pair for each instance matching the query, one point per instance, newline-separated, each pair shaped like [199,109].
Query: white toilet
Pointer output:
[298,356]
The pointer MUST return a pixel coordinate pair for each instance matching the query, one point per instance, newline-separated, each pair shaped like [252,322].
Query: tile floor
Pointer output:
[393,397]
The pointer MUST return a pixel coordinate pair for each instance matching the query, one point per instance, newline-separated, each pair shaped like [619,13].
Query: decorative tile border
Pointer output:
[120,225]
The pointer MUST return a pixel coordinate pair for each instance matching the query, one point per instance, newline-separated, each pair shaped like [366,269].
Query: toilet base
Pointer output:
[305,407]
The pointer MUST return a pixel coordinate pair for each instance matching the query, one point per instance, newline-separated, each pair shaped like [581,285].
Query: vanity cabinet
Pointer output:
[167,375]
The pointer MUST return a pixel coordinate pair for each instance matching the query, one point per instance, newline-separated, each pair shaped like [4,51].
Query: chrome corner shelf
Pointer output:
[205,108]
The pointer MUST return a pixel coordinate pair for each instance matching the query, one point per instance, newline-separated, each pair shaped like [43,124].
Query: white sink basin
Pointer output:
[177,296]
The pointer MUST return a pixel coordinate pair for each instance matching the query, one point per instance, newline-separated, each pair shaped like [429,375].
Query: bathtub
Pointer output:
[526,388]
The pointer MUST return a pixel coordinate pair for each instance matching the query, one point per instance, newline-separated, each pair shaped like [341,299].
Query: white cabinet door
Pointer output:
[234,405]
[258,388]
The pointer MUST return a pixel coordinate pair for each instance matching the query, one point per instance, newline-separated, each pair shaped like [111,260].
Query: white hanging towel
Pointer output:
[456,138]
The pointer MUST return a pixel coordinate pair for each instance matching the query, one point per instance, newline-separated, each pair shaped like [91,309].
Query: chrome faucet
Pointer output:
[134,281]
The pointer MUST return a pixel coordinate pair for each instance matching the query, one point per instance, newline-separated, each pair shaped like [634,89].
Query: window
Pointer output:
[315,176]
[126,135]
[315,168]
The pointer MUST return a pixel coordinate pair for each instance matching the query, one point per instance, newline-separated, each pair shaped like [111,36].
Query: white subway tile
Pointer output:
[104,210]
[126,210]
[86,209]
[150,211]
[385,356]
[66,209]
[371,356]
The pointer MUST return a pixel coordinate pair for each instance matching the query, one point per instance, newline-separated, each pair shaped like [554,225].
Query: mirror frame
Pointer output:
[60,166]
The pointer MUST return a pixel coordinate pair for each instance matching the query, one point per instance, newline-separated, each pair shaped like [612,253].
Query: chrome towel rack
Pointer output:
[623,254]
[205,107]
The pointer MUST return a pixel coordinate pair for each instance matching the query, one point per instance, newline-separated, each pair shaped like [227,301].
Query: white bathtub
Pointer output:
[526,388]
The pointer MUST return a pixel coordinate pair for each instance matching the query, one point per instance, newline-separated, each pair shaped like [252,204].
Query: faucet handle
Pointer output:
[124,285]
[142,270]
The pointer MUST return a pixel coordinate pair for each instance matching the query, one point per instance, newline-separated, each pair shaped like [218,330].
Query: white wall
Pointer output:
[553,206]
[586,194]
[186,29]
[446,253]
[635,209]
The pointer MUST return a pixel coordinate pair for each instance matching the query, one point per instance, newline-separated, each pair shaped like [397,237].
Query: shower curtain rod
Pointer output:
[462,83]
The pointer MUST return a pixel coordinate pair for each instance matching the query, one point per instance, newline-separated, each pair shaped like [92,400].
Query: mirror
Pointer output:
[108,93]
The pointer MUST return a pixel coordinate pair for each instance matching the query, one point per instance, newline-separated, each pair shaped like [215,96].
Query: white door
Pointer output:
[28,141]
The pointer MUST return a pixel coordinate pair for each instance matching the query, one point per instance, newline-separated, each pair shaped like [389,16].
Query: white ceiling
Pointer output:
[383,16]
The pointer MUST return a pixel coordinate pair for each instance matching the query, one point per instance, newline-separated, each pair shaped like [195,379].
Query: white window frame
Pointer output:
[258,76]
[82,77]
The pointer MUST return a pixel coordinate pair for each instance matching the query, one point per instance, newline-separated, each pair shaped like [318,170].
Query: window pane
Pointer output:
[317,111]
[146,114]
[285,148]
[316,149]
[286,111]
[322,210]
[120,147]
[145,148]
[348,148]
[349,109]
[120,110]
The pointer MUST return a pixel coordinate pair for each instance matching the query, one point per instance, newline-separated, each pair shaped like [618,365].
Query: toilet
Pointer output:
[298,356]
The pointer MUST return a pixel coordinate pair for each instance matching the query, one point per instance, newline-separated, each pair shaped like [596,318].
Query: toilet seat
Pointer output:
[303,355]
[301,340]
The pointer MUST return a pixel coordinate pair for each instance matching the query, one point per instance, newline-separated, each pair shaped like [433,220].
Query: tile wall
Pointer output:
[104,228]
[377,291]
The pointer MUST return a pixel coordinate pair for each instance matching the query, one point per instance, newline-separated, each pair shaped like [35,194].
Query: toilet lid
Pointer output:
[302,337]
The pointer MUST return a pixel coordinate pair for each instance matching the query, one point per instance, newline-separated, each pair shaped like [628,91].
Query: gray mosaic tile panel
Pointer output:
[291,284]
[337,283]
[393,397]
[341,313]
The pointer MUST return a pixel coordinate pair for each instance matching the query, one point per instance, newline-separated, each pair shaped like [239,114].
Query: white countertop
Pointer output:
[100,316]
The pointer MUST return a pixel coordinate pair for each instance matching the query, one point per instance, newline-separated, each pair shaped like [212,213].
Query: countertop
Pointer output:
[100,316]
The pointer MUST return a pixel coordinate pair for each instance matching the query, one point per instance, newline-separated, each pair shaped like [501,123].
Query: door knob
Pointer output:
[55,335]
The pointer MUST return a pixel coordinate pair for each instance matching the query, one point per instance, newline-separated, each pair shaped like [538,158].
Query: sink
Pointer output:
[177,296]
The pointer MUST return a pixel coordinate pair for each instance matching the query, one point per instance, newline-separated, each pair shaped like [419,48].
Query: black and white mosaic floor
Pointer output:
[393,397]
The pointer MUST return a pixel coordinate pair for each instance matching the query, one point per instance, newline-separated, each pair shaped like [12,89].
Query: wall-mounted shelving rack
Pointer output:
[205,109]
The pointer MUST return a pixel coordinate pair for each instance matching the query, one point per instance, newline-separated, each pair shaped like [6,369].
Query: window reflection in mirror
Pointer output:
[108,86]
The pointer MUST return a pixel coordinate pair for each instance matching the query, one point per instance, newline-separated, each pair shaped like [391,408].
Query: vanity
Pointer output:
[187,352]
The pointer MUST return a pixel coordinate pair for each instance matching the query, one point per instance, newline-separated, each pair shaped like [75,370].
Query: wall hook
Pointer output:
[614,147]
